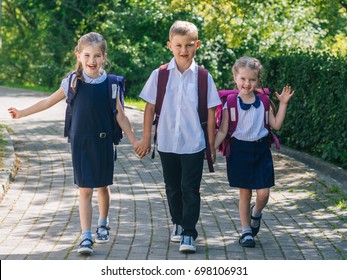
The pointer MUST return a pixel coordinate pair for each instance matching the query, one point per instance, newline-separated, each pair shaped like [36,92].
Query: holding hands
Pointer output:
[142,148]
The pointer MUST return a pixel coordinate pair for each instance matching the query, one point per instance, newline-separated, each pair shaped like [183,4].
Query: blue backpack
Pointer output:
[116,84]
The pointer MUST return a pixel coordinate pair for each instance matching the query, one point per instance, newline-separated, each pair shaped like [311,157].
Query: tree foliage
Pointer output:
[39,36]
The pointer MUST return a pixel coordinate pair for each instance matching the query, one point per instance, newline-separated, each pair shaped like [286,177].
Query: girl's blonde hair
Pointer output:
[252,64]
[87,39]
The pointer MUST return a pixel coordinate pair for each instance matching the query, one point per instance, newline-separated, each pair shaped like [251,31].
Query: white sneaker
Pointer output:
[187,244]
[176,233]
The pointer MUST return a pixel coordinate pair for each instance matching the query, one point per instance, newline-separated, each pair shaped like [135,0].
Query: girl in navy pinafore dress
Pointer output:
[91,133]
[250,164]
[92,117]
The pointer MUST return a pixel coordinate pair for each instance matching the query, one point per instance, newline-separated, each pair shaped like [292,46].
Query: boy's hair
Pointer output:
[250,63]
[88,39]
[181,27]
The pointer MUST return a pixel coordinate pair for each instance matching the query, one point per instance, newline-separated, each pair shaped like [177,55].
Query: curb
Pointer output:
[336,173]
[8,161]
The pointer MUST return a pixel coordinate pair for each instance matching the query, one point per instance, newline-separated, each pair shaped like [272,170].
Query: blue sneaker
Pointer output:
[85,247]
[187,244]
[176,233]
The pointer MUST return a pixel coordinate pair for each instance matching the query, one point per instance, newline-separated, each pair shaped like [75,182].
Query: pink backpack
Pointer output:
[229,96]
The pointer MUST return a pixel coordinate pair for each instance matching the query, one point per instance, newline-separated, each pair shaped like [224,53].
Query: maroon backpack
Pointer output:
[229,96]
[163,77]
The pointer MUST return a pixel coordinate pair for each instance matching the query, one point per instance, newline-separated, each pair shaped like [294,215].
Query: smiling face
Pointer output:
[183,48]
[247,73]
[91,59]
[246,80]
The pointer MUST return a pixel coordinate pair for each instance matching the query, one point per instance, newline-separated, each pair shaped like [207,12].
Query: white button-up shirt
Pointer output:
[179,128]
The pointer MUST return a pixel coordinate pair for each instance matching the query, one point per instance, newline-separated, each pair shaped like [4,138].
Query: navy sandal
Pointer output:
[85,247]
[102,234]
[247,242]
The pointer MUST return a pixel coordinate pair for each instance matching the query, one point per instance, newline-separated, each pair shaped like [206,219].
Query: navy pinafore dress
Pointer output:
[91,136]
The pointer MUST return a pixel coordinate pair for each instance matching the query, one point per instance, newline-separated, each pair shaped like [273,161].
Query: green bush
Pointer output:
[316,118]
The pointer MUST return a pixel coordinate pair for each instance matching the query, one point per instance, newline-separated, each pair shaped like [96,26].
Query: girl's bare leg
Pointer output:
[85,208]
[244,206]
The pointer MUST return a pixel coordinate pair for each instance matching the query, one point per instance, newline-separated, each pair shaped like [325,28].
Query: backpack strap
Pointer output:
[71,94]
[163,77]
[264,98]
[233,119]
[233,111]
[116,86]
[203,111]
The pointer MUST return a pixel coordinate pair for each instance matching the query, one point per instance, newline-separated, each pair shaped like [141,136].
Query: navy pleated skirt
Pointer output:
[250,165]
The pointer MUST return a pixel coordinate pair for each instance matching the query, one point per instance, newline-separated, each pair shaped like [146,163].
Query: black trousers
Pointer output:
[182,177]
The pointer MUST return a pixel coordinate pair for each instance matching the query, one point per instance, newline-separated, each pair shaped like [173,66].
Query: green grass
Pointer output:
[340,199]
[137,103]
[27,86]
[2,143]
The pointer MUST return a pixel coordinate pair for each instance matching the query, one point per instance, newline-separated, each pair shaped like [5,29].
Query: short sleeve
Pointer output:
[65,84]
[149,91]
[213,99]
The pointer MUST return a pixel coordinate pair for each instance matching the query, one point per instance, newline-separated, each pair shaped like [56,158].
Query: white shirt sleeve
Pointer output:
[149,91]
[65,85]
[213,99]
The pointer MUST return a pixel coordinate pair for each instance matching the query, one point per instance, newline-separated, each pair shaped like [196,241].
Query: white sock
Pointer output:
[255,214]
[247,230]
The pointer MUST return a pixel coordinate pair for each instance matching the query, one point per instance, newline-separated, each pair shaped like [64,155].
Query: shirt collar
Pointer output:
[245,106]
[97,80]
[173,65]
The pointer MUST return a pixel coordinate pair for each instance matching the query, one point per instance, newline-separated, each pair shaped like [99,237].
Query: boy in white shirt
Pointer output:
[180,138]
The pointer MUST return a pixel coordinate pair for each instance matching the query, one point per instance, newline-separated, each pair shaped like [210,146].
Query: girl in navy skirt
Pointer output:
[249,164]
[91,133]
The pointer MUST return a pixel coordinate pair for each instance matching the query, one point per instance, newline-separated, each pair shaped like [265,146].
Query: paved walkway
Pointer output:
[39,211]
